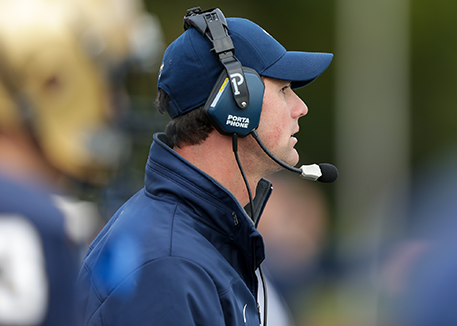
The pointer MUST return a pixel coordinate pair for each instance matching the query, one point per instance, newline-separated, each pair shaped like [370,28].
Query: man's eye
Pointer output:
[283,90]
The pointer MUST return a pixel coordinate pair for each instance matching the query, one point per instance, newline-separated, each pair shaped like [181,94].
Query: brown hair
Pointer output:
[191,128]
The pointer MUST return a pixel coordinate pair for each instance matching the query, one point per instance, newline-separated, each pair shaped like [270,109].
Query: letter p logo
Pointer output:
[236,83]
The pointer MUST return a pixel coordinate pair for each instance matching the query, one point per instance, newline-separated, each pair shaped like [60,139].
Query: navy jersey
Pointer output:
[37,261]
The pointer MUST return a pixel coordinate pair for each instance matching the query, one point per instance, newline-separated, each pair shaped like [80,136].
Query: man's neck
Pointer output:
[215,157]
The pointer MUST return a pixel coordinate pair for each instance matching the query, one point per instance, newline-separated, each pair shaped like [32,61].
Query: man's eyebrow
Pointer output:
[286,83]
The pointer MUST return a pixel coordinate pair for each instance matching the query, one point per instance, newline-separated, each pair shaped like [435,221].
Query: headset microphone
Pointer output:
[323,172]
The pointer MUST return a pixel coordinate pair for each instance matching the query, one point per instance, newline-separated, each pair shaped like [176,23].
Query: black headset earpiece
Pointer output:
[235,102]
[227,117]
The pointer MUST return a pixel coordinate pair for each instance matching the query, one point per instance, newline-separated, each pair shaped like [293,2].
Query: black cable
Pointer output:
[264,285]
[235,150]
[274,158]
[265,300]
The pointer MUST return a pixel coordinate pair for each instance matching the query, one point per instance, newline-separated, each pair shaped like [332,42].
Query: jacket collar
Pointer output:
[171,177]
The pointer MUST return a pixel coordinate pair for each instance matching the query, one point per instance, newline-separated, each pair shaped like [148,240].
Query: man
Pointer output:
[184,250]
[56,131]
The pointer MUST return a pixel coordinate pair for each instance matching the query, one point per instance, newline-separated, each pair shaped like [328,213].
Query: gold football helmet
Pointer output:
[57,59]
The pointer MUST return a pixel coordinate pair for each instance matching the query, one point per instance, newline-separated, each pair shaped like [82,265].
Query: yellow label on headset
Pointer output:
[223,84]
[218,96]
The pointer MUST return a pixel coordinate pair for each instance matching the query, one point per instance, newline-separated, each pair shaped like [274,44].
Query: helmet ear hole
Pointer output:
[52,83]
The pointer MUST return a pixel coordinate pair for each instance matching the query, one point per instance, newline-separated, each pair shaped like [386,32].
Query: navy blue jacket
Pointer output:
[182,251]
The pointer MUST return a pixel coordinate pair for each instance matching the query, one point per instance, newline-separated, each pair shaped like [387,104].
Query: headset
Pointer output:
[233,110]
[235,102]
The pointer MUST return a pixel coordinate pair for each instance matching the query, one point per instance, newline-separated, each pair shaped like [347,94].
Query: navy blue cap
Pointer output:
[189,69]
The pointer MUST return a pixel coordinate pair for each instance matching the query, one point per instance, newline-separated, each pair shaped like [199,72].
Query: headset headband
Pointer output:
[212,24]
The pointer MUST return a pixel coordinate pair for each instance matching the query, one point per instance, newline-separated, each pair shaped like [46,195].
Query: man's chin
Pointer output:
[293,159]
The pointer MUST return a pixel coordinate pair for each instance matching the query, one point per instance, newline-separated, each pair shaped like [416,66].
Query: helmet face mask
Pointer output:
[56,86]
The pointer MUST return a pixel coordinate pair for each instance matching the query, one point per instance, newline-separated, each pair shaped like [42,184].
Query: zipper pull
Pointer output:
[258,312]
[235,218]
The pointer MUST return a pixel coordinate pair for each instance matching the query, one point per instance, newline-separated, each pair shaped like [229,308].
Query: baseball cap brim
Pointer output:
[301,68]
